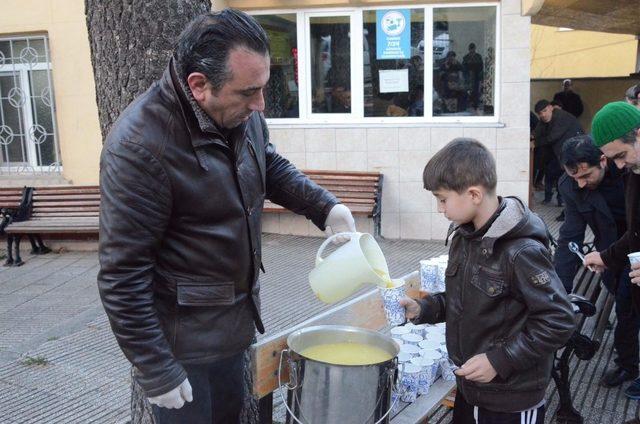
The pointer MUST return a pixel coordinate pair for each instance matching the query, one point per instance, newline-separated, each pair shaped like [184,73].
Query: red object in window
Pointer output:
[294,53]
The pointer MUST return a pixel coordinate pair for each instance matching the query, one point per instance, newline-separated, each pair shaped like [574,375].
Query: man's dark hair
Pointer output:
[580,149]
[205,44]
[462,163]
[541,104]
[631,137]
[472,46]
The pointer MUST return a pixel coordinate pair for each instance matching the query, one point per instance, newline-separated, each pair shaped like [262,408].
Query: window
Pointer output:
[27,119]
[369,65]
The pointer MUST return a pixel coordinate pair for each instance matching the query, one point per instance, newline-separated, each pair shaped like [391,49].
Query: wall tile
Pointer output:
[271,223]
[351,161]
[512,165]
[288,140]
[291,223]
[382,139]
[411,164]
[515,98]
[511,7]
[513,138]
[439,226]
[516,31]
[299,160]
[441,136]
[351,140]
[414,198]
[391,225]
[486,136]
[320,139]
[516,64]
[390,197]
[415,226]
[514,188]
[321,160]
[414,138]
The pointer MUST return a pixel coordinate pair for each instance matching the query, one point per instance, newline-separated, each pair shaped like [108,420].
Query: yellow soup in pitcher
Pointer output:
[385,277]
[347,354]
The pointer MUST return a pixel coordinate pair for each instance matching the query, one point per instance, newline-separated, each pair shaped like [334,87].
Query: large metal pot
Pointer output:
[323,393]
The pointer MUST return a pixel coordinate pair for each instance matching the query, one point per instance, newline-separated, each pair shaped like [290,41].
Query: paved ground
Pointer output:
[60,364]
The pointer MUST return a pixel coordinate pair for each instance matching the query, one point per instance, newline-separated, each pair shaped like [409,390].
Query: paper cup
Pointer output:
[412,339]
[391,302]
[634,257]
[426,374]
[428,276]
[448,367]
[398,332]
[410,381]
[418,329]
[413,350]
[404,357]
[429,345]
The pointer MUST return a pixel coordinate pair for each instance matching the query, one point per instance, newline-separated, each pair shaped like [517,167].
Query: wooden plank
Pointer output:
[420,410]
[60,197]
[365,311]
[333,172]
[66,204]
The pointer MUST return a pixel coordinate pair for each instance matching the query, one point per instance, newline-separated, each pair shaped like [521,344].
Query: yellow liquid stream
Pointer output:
[385,277]
[346,354]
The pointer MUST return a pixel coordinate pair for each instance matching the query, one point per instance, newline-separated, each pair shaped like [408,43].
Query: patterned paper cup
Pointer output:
[412,339]
[398,332]
[412,350]
[410,382]
[448,367]
[426,377]
[428,276]
[434,356]
[634,257]
[418,329]
[391,302]
[429,345]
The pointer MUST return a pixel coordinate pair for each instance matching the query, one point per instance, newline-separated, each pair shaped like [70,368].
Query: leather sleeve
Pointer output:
[135,207]
[550,321]
[615,257]
[432,309]
[290,188]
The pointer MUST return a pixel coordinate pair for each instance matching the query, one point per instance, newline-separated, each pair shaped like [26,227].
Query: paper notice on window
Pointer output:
[394,81]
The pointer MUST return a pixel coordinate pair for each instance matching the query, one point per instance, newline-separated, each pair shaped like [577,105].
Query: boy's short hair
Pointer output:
[462,163]
[580,149]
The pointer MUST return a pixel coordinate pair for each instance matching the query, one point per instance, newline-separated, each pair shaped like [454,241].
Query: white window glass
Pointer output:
[330,62]
[281,93]
[463,62]
[393,86]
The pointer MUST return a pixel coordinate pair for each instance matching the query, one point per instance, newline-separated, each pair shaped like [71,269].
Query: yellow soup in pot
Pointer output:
[347,354]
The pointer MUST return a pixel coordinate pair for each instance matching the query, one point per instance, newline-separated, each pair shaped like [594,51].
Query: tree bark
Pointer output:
[131,42]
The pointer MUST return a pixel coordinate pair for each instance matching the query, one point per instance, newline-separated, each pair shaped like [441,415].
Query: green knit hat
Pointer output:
[613,121]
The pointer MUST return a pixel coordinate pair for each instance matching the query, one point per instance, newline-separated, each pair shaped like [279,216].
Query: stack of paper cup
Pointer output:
[413,350]
[429,345]
[398,332]
[434,356]
[418,329]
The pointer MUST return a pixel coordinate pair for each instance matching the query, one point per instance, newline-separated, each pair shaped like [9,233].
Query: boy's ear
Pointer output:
[476,193]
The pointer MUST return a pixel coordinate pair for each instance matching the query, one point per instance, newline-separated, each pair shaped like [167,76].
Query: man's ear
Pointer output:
[198,84]
[603,161]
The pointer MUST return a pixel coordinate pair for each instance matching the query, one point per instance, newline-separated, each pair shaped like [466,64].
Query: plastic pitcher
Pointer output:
[356,262]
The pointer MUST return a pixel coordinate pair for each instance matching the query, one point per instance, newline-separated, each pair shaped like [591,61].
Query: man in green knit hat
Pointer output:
[616,131]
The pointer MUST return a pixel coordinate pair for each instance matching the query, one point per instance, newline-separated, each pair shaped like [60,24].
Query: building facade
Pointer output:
[354,86]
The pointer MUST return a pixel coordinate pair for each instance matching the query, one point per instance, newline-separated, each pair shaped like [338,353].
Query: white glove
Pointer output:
[176,398]
[340,220]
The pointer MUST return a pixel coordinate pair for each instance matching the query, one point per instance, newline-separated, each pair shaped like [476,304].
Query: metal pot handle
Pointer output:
[293,376]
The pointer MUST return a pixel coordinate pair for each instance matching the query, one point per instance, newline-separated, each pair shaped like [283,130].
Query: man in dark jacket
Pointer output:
[593,191]
[570,101]
[555,127]
[616,130]
[184,173]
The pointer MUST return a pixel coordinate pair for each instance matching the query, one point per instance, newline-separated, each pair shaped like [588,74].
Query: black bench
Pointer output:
[361,192]
[593,304]
[57,210]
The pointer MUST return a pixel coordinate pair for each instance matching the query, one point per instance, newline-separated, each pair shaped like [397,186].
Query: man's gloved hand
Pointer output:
[174,399]
[340,220]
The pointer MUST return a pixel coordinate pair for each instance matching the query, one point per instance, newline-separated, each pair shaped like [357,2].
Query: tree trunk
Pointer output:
[131,42]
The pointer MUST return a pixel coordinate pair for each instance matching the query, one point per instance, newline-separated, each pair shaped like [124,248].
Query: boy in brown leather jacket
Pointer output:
[505,308]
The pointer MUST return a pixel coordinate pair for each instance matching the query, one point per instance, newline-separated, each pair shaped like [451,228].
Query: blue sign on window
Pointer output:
[393,34]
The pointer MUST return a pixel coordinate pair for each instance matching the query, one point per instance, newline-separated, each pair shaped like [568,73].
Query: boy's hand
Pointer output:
[477,368]
[411,308]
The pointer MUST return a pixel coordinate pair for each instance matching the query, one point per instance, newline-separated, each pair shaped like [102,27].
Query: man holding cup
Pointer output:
[616,131]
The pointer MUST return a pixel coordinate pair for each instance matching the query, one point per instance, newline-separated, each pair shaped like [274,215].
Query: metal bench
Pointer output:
[361,192]
[59,210]
[593,304]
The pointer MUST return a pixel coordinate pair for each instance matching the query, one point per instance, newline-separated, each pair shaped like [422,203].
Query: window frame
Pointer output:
[23,77]
[356,116]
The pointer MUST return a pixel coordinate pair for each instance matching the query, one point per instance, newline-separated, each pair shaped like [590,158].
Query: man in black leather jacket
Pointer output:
[505,308]
[184,173]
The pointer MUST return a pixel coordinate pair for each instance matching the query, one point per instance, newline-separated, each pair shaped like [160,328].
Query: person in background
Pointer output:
[593,191]
[555,127]
[570,101]
[632,95]
[505,309]
[472,67]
